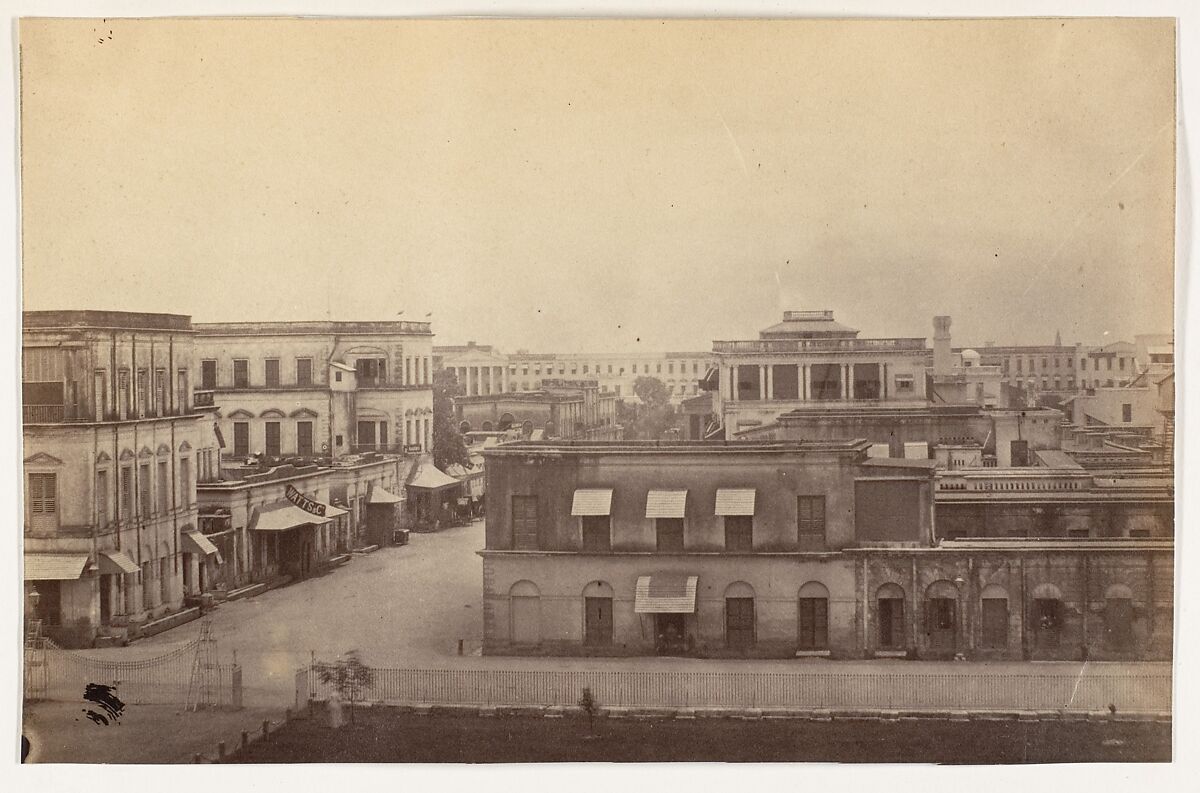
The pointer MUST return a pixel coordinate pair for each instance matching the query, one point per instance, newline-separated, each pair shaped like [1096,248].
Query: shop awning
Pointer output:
[116,563]
[666,503]
[195,542]
[55,566]
[430,478]
[381,496]
[331,511]
[735,501]
[665,593]
[285,515]
[592,502]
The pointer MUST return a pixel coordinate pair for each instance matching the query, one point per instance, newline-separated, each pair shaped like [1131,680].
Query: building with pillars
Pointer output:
[558,409]
[482,370]
[811,361]
[114,444]
[319,389]
[789,549]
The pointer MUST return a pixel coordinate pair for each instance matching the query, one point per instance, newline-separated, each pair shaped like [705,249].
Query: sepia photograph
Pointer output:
[596,390]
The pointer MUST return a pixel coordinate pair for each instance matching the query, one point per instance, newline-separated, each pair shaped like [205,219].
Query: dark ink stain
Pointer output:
[107,699]
[25,747]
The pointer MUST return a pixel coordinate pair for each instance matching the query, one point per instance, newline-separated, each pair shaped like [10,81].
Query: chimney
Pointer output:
[943,360]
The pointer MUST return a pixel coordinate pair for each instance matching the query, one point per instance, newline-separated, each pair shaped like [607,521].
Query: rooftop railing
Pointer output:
[819,345]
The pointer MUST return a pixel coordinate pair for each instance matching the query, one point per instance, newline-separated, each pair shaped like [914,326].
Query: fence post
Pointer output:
[236,687]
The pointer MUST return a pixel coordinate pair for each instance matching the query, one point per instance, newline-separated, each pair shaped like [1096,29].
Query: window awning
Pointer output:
[735,501]
[592,502]
[116,563]
[381,496]
[195,542]
[665,593]
[285,515]
[666,503]
[55,566]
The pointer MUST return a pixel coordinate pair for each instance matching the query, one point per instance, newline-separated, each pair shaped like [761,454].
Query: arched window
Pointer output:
[464,427]
[889,606]
[487,426]
[525,613]
[598,614]
[994,603]
[813,620]
[506,421]
[1118,617]
[739,616]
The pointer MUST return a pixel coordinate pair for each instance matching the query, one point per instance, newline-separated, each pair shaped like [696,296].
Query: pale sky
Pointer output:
[606,186]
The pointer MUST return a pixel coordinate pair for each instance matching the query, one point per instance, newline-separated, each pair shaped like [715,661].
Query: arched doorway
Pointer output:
[598,614]
[525,612]
[994,605]
[464,427]
[941,617]
[506,421]
[1046,617]
[813,620]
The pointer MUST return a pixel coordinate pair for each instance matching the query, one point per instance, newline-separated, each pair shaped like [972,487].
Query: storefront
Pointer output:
[383,516]
[286,539]
[60,592]
[432,498]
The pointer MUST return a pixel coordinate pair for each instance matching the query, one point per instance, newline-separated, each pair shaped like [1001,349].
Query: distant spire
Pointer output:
[1057,339]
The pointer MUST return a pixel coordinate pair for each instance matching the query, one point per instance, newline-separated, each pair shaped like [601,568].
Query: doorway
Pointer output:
[598,622]
[669,634]
[940,623]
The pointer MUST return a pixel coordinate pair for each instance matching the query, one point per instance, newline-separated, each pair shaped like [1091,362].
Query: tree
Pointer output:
[655,415]
[590,706]
[349,676]
[448,445]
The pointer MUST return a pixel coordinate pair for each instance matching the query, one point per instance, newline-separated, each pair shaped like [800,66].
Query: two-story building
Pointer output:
[113,446]
[556,409]
[788,549]
[319,389]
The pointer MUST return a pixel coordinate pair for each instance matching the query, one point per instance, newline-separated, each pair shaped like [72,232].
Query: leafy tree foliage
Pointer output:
[654,416]
[349,675]
[449,448]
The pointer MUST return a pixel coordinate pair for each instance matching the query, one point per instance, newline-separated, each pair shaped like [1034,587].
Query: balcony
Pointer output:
[820,345]
[378,448]
[202,398]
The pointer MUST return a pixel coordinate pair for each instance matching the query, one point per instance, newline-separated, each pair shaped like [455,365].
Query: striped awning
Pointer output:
[195,542]
[55,566]
[665,593]
[735,501]
[116,563]
[283,516]
[592,502]
[666,503]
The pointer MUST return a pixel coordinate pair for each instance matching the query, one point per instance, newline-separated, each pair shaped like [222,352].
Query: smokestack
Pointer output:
[943,360]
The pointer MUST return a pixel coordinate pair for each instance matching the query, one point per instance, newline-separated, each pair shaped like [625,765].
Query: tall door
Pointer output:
[891,623]
[106,588]
[598,622]
[739,623]
[304,438]
[273,444]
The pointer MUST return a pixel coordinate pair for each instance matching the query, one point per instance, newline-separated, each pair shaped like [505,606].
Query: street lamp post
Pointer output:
[962,620]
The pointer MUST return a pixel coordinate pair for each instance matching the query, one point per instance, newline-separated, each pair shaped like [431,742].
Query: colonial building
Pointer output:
[319,389]
[282,523]
[482,370]
[558,409]
[788,549]
[811,361]
[114,444]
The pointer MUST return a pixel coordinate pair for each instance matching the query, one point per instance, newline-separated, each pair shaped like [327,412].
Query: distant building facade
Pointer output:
[114,444]
[319,389]
[482,370]
[559,408]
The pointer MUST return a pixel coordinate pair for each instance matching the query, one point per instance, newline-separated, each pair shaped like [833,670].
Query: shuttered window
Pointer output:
[995,623]
[241,374]
[669,534]
[144,489]
[271,372]
[597,534]
[304,371]
[273,446]
[164,489]
[43,494]
[524,523]
[241,439]
[810,522]
[208,375]
[739,623]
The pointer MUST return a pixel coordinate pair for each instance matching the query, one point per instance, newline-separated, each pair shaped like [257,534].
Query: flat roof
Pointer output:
[585,446]
[305,327]
[77,320]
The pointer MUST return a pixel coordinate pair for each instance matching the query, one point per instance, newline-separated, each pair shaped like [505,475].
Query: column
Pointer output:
[193,563]
[762,382]
[883,376]
[491,379]
[769,391]
[845,382]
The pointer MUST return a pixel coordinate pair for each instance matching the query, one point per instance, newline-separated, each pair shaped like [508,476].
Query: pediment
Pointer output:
[272,413]
[241,414]
[42,458]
